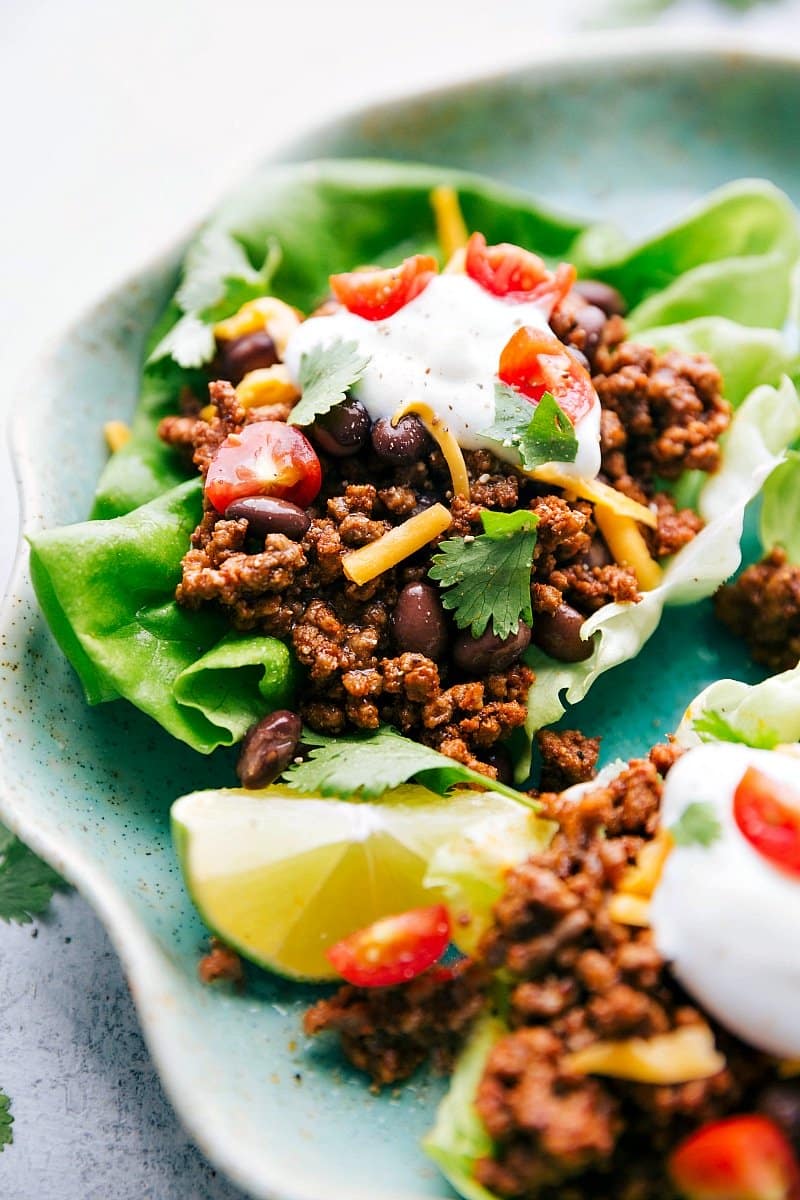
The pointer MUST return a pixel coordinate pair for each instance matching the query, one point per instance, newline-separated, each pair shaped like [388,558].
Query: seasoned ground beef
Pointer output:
[221,963]
[567,758]
[388,1032]
[578,976]
[661,414]
[763,607]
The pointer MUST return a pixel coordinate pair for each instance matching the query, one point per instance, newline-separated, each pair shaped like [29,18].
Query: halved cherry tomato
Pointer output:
[268,458]
[768,815]
[741,1158]
[516,274]
[375,295]
[535,361]
[394,949]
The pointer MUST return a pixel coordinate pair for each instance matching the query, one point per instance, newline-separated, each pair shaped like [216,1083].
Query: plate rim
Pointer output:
[141,960]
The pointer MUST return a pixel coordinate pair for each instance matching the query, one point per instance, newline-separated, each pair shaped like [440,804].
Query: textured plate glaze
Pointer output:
[628,130]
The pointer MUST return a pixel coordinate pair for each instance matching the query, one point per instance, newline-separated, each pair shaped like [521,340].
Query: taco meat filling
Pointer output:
[366,660]
[575,977]
[763,607]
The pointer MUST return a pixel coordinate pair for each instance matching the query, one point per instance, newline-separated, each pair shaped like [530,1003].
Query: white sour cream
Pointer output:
[725,918]
[444,348]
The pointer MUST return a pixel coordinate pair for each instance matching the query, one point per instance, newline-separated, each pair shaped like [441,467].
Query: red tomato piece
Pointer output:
[768,815]
[535,361]
[394,949]
[516,274]
[268,458]
[375,295]
[741,1158]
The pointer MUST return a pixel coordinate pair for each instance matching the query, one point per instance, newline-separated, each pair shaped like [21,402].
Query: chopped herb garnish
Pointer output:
[365,767]
[217,280]
[26,883]
[6,1121]
[698,825]
[541,433]
[488,578]
[326,374]
[711,726]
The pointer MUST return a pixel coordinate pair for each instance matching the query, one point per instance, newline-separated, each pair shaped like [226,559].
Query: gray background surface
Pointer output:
[114,142]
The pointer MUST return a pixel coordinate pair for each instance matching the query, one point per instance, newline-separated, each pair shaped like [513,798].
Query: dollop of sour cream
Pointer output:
[443,348]
[726,919]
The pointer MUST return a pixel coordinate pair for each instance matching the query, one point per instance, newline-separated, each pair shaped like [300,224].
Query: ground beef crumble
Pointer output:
[763,607]
[567,758]
[662,414]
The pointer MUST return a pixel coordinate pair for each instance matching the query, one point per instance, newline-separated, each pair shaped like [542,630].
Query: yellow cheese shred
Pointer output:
[372,560]
[265,386]
[627,545]
[685,1054]
[443,438]
[451,230]
[626,909]
[597,492]
[642,878]
[116,433]
[267,312]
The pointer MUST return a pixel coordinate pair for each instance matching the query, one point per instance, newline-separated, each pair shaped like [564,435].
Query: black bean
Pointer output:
[558,634]
[592,320]
[602,295]
[268,748]
[250,352]
[343,430]
[266,514]
[418,621]
[781,1103]
[403,444]
[579,356]
[489,653]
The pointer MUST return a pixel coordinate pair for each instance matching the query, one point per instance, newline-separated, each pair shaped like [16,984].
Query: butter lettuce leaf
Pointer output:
[459,1138]
[762,715]
[107,587]
[780,509]
[762,428]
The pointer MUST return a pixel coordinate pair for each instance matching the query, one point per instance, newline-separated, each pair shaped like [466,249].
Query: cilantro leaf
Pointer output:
[489,578]
[362,767]
[326,374]
[541,433]
[6,1121]
[711,726]
[218,279]
[698,825]
[26,883]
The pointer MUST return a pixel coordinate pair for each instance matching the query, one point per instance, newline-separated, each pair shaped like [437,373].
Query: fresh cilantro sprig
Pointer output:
[362,767]
[218,279]
[698,825]
[542,436]
[488,578]
[6,1121]
[711,726]
[326,374]
[26,883]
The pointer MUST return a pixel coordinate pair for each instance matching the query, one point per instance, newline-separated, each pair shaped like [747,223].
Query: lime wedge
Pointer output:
[281,876]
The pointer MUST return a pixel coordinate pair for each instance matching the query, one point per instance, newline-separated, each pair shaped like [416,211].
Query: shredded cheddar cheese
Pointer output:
[627,909]
[117,433]
[642,878]
[789,1068]
[208,413]
[372,560]
[267,312]
[627,545]
[597,492]
[451,230]
[267,385]
[443,438]
[684,1054]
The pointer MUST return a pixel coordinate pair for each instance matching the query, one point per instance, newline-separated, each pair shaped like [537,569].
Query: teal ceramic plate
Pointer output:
[632,131]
